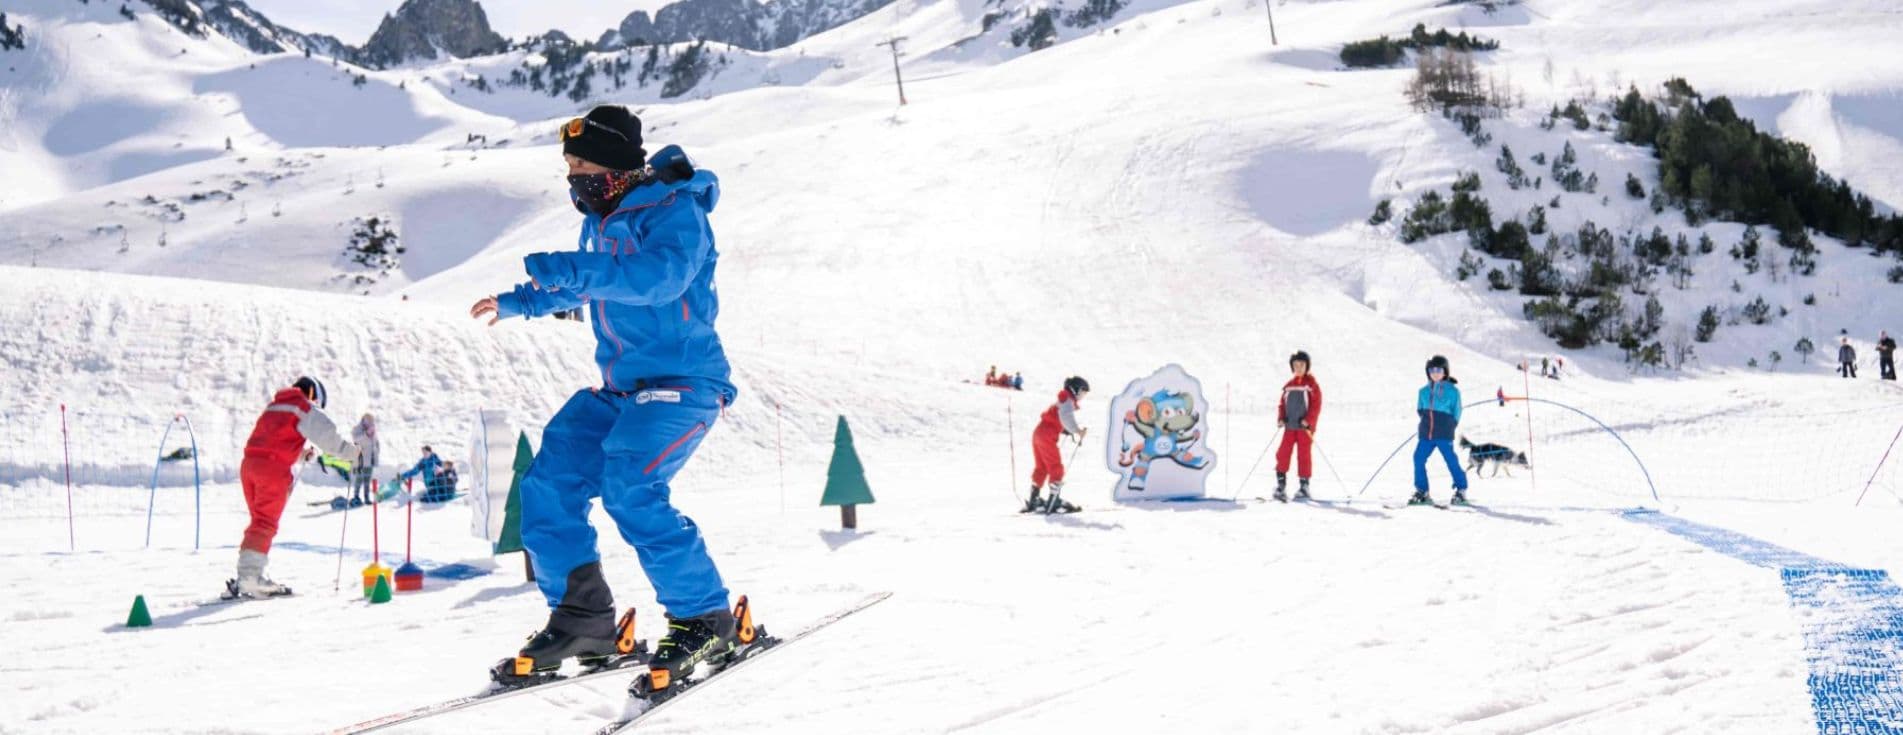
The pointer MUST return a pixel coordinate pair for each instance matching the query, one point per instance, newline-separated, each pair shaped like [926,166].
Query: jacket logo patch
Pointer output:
[664,396]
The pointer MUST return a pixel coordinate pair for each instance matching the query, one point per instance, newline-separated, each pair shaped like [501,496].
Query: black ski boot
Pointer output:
[581,627]
[1281,486]
[1420,498]
[716,639]
[1460,498]
[1036,503]
[1056,503]
[1301,493]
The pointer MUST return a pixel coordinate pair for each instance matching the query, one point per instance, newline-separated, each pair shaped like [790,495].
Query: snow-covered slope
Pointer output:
[1165,187]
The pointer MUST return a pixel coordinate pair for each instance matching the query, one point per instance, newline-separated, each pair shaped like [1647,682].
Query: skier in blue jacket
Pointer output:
[1439,409]
[645,270]
[429,467]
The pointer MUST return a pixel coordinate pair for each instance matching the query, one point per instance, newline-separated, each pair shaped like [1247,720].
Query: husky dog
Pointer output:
[1478,455]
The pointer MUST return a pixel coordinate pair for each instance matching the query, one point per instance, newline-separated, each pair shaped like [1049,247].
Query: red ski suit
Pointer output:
[1298,417]
[1055,422]
[275,443]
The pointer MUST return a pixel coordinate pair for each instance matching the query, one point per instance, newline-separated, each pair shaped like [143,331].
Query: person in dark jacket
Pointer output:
[1439,407]
[1847,359]
[1886,356]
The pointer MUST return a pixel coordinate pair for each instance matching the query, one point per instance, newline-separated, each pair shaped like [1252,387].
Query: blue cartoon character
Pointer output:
[1167,423]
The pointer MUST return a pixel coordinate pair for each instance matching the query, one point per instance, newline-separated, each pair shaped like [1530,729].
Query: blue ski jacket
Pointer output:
[1439,407]
[646,272]
[429,466]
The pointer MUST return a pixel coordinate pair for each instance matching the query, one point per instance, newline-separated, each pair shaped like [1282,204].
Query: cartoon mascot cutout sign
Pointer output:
[1158,444]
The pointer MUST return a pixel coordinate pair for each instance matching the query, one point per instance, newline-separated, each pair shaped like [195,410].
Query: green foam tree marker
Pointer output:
[381,593]
[140,617]
[510,539]
[846,479]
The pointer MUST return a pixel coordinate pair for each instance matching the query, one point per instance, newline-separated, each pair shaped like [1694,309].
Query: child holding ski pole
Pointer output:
[1058,420]
[1295,415]
[1439,407]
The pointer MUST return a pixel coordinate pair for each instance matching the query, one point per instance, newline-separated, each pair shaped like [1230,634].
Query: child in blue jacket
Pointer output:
[1439,408]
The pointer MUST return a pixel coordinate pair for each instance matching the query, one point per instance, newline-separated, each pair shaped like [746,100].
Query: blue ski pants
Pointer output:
[1424,447]
[623,448]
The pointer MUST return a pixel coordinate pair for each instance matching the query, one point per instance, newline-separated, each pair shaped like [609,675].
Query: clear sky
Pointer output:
[354,20]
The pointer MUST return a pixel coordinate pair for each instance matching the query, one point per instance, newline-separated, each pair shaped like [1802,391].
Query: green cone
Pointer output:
[140,617]
[382,592]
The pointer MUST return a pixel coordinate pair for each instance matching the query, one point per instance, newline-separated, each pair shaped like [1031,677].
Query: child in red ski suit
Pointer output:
[1058,420]
[294,417]
[1295,415]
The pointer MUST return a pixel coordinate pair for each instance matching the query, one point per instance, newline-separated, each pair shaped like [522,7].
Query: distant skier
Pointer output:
[444,488]
[428,468]
[294,417]
[646,270]
[1017,381]
[1295,415]
[1886,356]
[1847,359]
[364,434]
[1439,407]
[1058,420]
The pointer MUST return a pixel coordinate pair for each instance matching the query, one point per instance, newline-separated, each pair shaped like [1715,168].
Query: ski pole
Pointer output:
[1057,489]
[336,583]
[1258,463]
[1011,435]
[1331,469]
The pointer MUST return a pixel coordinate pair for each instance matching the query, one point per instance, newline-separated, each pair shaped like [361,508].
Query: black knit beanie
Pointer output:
[610,135]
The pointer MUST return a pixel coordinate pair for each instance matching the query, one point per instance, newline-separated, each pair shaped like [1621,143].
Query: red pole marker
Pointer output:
[376,570]
[409,577]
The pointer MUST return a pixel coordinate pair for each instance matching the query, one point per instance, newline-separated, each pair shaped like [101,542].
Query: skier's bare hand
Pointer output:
[486,307]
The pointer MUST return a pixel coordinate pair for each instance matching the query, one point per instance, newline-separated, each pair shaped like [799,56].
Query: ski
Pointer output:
[615,664]
[223,600]
[231,595]
[767,645]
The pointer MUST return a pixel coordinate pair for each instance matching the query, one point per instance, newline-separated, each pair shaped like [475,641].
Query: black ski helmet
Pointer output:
[1301,356]
[1076,385]
[1439,361]
[313,390]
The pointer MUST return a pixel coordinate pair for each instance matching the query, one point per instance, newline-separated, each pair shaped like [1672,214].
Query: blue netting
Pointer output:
[1852,624]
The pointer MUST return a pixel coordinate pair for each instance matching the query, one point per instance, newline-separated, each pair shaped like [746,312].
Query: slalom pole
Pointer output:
[1879,468]
[376,540]
[1384,465]
[1229,440]
[409,528]
[779,448]
[1258,463]
[1532,470]
[66,445]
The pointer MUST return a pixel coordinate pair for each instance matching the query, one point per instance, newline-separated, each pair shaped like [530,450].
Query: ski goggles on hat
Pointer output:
[573,128]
